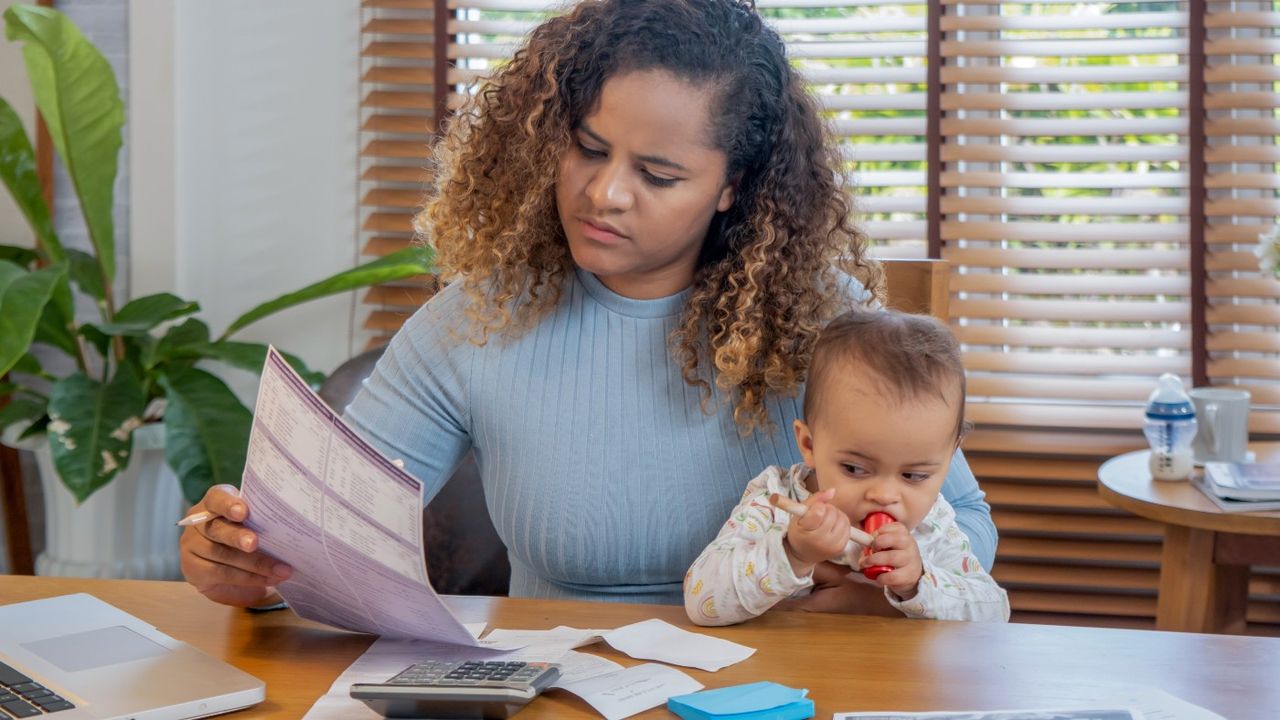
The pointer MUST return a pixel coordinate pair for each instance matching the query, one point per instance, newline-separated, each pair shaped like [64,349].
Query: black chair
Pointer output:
[464,554]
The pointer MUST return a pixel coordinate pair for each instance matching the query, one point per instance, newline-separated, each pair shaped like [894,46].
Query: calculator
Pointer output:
[476,690]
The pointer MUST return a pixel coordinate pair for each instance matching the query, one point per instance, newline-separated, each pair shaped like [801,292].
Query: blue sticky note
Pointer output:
[755,701]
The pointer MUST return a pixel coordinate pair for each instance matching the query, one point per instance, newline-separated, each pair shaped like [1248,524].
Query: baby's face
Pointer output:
[878,453]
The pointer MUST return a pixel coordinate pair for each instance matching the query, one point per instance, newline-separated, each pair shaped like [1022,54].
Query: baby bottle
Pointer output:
[1170,425]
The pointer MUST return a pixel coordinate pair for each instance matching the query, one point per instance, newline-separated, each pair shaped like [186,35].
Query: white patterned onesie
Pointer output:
[745,570]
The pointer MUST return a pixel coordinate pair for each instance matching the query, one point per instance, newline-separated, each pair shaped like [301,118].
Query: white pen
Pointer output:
[197,518]
[796,509]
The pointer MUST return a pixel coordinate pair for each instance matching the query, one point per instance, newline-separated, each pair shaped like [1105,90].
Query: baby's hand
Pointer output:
[895,547]
[820,535]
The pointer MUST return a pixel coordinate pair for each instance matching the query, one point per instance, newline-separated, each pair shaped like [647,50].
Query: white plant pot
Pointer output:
[125,529]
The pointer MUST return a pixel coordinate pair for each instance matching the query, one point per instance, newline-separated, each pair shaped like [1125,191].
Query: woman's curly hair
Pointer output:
[773,268]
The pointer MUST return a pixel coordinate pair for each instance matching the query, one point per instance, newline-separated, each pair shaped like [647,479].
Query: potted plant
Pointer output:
[136,422]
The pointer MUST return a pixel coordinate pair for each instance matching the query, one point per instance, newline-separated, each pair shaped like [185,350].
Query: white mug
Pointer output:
[1222,424]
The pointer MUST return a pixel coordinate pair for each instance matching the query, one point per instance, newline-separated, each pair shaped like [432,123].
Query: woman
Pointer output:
[646,228]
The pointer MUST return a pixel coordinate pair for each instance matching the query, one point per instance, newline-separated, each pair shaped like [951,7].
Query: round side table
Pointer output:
[1204,566]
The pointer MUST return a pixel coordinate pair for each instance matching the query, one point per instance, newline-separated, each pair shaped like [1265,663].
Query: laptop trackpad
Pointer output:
[95,648]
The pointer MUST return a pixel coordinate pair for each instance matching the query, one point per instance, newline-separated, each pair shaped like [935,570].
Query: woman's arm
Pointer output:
[415,407]
[973,514]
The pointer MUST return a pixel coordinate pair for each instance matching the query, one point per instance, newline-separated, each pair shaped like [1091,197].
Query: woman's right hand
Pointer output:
[221,558]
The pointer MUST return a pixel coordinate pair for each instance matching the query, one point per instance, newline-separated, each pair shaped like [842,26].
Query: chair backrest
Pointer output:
[922,287]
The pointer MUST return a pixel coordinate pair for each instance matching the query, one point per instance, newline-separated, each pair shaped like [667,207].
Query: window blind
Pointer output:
[399,121]
[1065,202]
[1241,127]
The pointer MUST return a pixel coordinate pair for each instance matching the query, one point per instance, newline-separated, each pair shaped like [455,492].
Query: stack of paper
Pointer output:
[614,691]
[1242,487]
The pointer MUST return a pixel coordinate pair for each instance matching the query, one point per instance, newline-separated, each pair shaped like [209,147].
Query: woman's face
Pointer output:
[638,189]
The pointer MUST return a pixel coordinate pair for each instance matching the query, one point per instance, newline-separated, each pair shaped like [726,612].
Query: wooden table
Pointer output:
[847,662]
[1204,566]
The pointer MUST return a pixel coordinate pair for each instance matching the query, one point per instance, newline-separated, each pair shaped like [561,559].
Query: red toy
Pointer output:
[871,523]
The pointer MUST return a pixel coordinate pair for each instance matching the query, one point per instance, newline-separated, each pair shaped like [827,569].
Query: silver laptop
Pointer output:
[75,657]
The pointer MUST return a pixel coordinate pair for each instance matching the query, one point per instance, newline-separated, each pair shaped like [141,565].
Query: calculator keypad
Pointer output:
[471,674]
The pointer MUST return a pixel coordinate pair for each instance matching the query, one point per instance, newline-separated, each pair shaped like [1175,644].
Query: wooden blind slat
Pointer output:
[399,174]
[1059,153]
[1073,337]
[399,4]
[1062,74]
[399,75]
[1066,310]
[1067,259]
[385,197]
[1022,574]
[1227,72]
[1059,388]
[404,149]
[1058,21]
[1089,205]
[402,50]
[1242,46]
[1046,523]
[1074,364]
[1055,445]
[380,245]
[1078,101]
[399,124]
[1098,180]
[1263,342]
[384,100]
[1071,284]
[399,26]
[388,222]
[1057,48]
[1063,127]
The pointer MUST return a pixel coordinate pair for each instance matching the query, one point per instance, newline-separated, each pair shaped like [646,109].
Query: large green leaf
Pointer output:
[182,341]
[98,339]
[20,256]
[409,262]
[53,330]
[84,270]
[22,410]
[76,92]
[23,297]
[18,170]
[28,364]
[91,428]
[144,313]
[252,356]
[206,431]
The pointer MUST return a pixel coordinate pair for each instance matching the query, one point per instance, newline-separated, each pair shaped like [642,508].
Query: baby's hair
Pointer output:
[912,356]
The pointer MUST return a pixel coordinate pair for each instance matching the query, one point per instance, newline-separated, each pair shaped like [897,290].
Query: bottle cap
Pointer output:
[1168,401]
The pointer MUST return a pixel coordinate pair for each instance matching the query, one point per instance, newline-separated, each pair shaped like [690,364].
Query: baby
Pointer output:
[883,416]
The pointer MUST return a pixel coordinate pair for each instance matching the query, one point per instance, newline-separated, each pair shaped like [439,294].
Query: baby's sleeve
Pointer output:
[954,585]
[745,570]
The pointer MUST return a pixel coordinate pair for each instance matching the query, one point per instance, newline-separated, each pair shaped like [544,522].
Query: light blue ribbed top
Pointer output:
[603,475]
